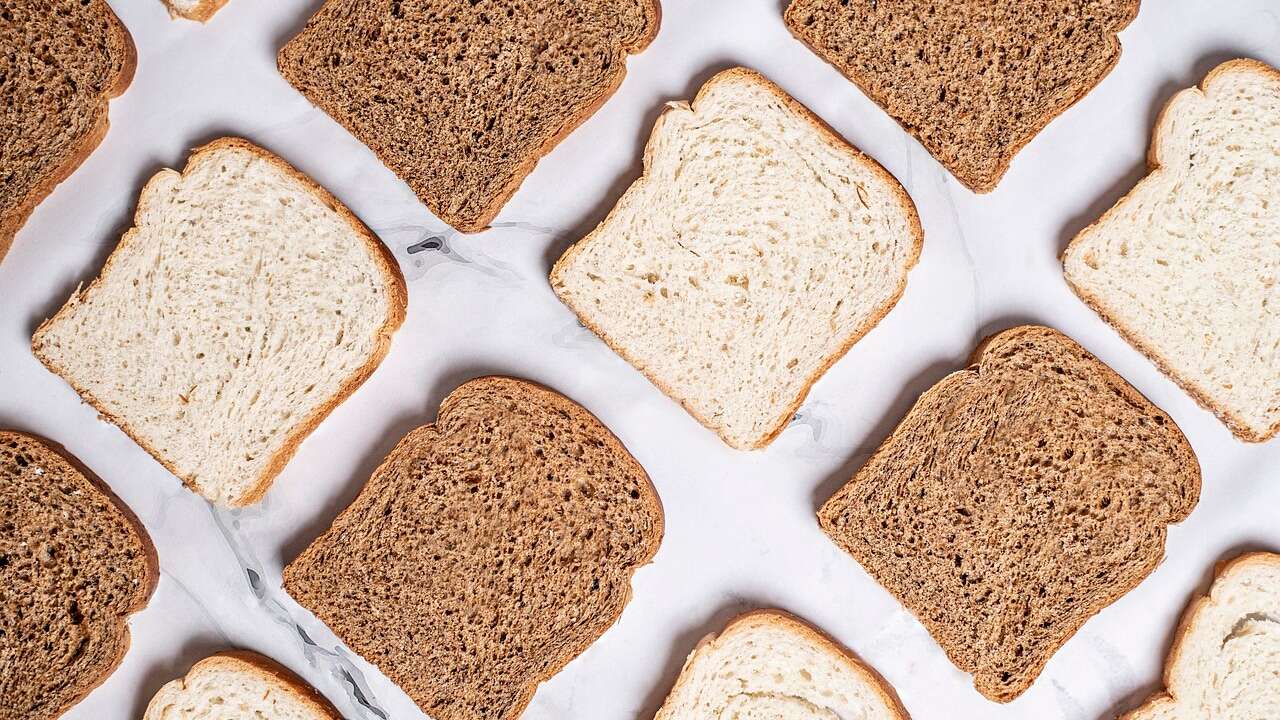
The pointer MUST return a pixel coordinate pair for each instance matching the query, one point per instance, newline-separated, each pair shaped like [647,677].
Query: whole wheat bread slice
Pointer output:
[973,80]
[487,551]
[74,564]
[1018,498]
[61,63]
[769,665]
[239,685]
[755,250]
[461,98]
[244,305]
[1187,265]
[1225,658]
[199,10]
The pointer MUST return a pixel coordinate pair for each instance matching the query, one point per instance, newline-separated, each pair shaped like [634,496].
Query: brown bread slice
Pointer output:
[972,80]
[74,564]
[487,551]
[1018,498]
[460,98]
[62,61]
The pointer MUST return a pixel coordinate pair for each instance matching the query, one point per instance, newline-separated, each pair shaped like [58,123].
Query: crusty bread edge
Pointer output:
[1155,166]
[980,185]
[814,636]
[975,367]
[202,12]
[397,303]
[482,221]
[425,433]
[273,673]
[148,586]
[1186,624]
[13,221]
[741,74]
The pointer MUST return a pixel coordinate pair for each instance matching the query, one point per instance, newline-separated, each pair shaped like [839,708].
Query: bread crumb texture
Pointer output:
[238,685]
[1018,498]
[487,551]
[200,10]
[1186,265]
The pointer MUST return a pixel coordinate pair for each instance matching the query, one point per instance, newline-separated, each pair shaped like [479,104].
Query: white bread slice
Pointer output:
[1225,662]
[768,665]
[1187,265]
[238,685]
[200,10]
[757,247]
[244,305]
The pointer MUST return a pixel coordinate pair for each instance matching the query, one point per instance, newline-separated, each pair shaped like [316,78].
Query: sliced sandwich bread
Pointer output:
[74,564]
[201,10]
[1187,265]
[755,250]
[461,99]
[768,665]
[62,62]
[243,306]
[239,685]
[487,551]
[1225,661]
[974,81]
[1018,498]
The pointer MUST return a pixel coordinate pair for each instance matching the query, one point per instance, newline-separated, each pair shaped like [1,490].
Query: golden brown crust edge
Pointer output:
[202,12]
[271,671]
[148,586]
[1234,423]
[837,142]
[397,306]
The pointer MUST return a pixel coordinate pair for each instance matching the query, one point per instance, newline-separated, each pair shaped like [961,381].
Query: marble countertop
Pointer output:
[740,529]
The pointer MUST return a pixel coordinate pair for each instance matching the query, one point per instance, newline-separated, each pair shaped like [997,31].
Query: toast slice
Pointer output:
[199,10]
[755,250]
[1018,498]
[768,665]
[75,563]
[487,551]
[461,99]
[62,62]
[238,685]
[1224,659]
[1187,265]
[974,81]
[244,305]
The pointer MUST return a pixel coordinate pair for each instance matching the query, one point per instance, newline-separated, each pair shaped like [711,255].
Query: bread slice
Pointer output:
[974,81]
[1225,657]
[461,99]
[239,685]
[768,665]
[1186,266]
[244,305]
[62,62]
[200,10]
[487,551]
[1018,498]
[755,250]
[74,564]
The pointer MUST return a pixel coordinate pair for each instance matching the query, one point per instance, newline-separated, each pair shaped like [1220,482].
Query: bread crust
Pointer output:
[148,586]
[202,12]
[397,300]
[745,75]
[1155,166]
[12,222]
[281,678]
[794,624]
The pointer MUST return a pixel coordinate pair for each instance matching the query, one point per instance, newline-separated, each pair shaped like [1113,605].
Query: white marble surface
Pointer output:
[740,530]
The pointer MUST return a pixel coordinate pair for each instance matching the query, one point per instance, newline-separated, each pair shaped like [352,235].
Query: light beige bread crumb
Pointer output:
[239,685]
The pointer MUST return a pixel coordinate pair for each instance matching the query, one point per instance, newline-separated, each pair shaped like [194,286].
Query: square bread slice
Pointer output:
[243,306]
[973,80]
[239,685]
[755,250]
[1225,662]
[199,10]
[461,99]
[487,551]
[769,665]
[62,62]
[1018,498]
[1187,265]
[75,563]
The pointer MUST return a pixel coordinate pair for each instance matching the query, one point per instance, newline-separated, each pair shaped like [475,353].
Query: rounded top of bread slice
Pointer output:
[237,685]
